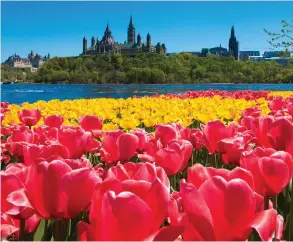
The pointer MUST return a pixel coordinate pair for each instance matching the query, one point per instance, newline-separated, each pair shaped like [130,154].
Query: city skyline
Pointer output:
[184,26]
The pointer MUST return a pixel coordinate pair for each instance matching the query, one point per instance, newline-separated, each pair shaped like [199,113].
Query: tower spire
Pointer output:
[130,22]
[108,28]
[232,32]
[131,32]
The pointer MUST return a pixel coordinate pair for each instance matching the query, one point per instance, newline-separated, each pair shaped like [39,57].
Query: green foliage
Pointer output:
[149,68]
[12,74]
[284,38]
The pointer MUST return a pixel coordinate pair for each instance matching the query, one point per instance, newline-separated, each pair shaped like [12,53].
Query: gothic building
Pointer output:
[133,46]
[233,45]
[32,60]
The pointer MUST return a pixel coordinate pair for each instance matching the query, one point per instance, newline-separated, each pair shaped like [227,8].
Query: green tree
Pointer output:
[284,38]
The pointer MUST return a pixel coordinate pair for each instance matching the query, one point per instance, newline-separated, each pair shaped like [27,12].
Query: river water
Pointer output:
[19,93]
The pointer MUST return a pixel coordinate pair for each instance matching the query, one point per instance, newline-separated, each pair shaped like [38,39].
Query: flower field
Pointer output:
[207,165]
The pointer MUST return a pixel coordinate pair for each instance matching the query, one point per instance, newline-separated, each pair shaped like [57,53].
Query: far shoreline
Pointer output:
[144,84]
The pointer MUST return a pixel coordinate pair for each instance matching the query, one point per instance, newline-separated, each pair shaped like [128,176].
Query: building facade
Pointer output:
[32,61]
[233,48]
[244,55]
[133,46]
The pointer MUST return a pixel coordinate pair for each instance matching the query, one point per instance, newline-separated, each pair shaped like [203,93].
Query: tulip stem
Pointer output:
[21,229]
[192,158]
[46,228]
[291,214]
[275,202]
[266,203]
[60,230]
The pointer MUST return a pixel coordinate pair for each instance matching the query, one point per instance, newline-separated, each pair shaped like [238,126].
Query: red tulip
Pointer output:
[13,189]
[75,140]
[214,131]
[252,111]
[271,170]
[20,138]
[56,191]
[10,227]
[184,149]
[261,130]
[277,103]
[90,123]
[198,174]
[54,121]
[45,134]
[174,158]
[232,148]
[29,117]
[231,217]
[280,135]
[138,171]
[128,210]
[19,170]
[118,146]
[94,146]
[194,136]
[166,133]
[142,136]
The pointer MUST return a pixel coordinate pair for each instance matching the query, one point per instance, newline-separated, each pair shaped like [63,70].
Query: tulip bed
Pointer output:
[197,166]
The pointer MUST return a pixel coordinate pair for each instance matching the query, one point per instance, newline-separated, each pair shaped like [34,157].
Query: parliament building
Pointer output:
[133,46]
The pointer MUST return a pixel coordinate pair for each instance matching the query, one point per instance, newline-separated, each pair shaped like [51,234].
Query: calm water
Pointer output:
[19,93]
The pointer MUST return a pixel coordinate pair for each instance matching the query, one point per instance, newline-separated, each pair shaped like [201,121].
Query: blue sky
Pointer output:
[58,27]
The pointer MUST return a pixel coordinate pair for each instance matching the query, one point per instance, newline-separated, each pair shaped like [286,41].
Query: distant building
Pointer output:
[271,54]
[279,60]
[32,61]
[16,61]
[244,55]
[133,46]
[219,51]
[233,48]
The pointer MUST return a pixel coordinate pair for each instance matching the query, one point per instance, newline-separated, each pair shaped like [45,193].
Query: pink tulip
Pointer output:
[90,123]
[54,121]
[29,117]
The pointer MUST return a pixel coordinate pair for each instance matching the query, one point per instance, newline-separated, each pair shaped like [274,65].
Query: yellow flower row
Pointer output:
[147,111]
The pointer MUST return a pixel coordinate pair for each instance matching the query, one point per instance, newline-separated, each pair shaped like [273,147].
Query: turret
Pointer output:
[138,39]
[131,32]
[93,42]
[84,45]
[158,48]
[48,57]
[148,40]
[164,48]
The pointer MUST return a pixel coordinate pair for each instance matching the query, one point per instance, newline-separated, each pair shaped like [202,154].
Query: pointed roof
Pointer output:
[107,29]
[130,22]
[232,32]
[108,38]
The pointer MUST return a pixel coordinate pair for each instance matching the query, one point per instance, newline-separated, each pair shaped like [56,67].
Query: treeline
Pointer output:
[9,74]
[150,68]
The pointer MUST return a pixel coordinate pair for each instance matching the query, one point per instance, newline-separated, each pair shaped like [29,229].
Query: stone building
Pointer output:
[32,61]
[134,44]
[244,55]
[233,48]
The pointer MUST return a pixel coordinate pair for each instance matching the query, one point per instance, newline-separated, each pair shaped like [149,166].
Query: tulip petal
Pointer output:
[265,224]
